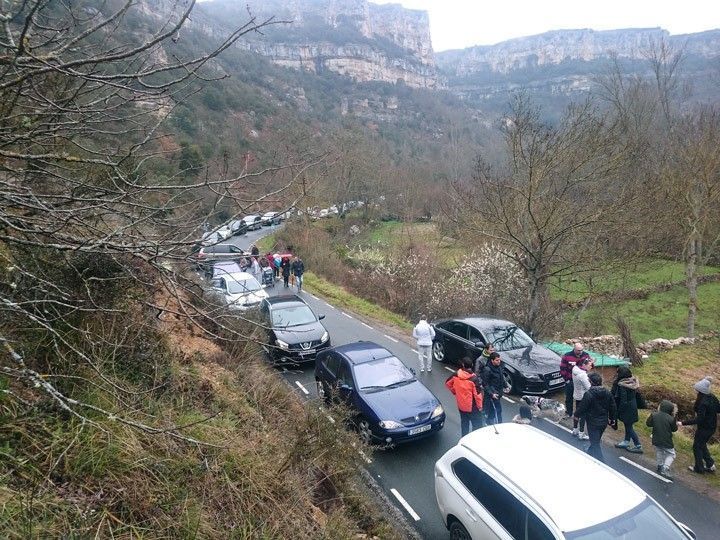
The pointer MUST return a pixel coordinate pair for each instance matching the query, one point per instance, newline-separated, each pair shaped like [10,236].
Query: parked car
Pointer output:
[271,218]
[240,291]
[253,222]
[501,485]
[223,268]
[210,238]
[529,368]
[392,406]
[218,252]
[238,227]
[294,333]
[225,232]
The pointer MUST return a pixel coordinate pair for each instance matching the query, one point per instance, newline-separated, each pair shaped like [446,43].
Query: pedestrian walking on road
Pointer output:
[277,263]
[664,424]
[466,387]
[494,384]
[581,384]
[424,334]
[599,410]
[567,363]
[286,271]
[626,391]
[706,410]
[298,269]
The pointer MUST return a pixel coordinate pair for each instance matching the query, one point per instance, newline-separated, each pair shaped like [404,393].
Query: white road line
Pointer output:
[328,305]
[413,350]
[348,316]
[449,369]
[315,297]
[391,338]
[651,473]
[508,399]
[330,418]
[558,425]
[405,504]
[367,325]
[302,388]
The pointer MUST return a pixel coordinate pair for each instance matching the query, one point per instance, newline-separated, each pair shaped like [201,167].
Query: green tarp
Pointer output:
[601,360]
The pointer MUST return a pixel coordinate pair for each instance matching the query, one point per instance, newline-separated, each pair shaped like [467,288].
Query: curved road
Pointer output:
[406,472]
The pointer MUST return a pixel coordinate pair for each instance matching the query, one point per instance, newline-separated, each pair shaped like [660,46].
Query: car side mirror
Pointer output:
[412,370]
[479,345]
[345,388]
[321,317]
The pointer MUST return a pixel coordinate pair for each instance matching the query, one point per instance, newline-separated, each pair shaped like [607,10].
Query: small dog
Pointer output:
[545,408]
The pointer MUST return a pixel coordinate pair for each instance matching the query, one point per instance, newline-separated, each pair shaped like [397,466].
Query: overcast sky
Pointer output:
[456,24]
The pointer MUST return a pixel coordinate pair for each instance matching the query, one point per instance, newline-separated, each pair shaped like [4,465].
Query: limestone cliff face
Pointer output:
[555,47]
[355,38]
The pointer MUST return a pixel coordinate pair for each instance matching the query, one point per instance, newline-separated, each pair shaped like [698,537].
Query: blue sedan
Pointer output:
[392,405]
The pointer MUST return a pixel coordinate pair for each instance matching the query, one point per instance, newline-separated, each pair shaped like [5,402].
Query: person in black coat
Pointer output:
[493,383]
[626,391]
[285,265]
[706,410]
[599,410]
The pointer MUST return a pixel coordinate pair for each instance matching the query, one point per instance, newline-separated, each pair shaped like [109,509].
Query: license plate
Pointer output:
[556,381]
[305,353]
[420,429]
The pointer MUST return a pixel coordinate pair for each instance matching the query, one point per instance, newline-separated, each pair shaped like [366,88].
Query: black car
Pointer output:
[529,368]
[294,333]
[238,227]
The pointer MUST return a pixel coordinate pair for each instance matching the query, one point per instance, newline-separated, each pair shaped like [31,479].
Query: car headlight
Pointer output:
[324,337]
[390,424]
[280,343]
[533,377]
[437,412]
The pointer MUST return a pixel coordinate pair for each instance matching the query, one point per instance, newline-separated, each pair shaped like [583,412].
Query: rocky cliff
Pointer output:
[355,38]
[553,48]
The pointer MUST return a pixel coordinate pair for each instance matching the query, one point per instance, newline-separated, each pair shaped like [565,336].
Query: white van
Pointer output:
[504,486]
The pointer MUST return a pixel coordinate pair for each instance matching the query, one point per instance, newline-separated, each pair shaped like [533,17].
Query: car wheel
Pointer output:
[322,392]
[363,427]
[458,532]
[508,382]
[438,350]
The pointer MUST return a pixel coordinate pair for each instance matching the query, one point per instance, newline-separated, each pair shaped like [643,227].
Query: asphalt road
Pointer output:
[406,472]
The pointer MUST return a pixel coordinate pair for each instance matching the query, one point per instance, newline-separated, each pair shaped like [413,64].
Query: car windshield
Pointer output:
[292,316]
[644,521]
[243,286]
[384,373]
[507,338]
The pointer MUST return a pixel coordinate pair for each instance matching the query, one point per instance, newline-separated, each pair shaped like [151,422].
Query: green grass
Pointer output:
[342,298]
[266,243]
[660,315]
[622,277]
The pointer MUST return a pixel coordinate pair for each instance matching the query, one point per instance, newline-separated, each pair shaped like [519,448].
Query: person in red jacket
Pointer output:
[466,387]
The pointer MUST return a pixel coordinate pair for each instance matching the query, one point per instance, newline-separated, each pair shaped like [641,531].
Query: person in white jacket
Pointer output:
[581,384]
[424,335]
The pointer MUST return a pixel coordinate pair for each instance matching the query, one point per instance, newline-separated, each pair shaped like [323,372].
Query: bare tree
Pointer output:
[83,219]
[548,205]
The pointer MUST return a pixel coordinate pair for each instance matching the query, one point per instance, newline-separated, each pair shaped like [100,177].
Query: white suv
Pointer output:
[504,486]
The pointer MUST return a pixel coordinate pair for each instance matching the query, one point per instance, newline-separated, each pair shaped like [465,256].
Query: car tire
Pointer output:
[363,429]
[438,351]
[508,382]
[459,532]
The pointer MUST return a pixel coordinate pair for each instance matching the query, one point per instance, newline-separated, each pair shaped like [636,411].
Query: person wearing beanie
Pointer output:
[706,410]
[599,410]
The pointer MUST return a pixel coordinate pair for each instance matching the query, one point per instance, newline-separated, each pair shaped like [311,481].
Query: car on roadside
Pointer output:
[208,255]
[253,222]
[271,218]
[528,368]
[238,290]
[238,227]
[225,231]
[294,333]
[498,483]
[210,238]
[391,406]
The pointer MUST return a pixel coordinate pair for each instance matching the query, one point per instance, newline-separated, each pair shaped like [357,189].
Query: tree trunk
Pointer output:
[538,295]
[691,280]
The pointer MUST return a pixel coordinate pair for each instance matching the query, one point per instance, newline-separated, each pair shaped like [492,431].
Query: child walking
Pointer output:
[664,424]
